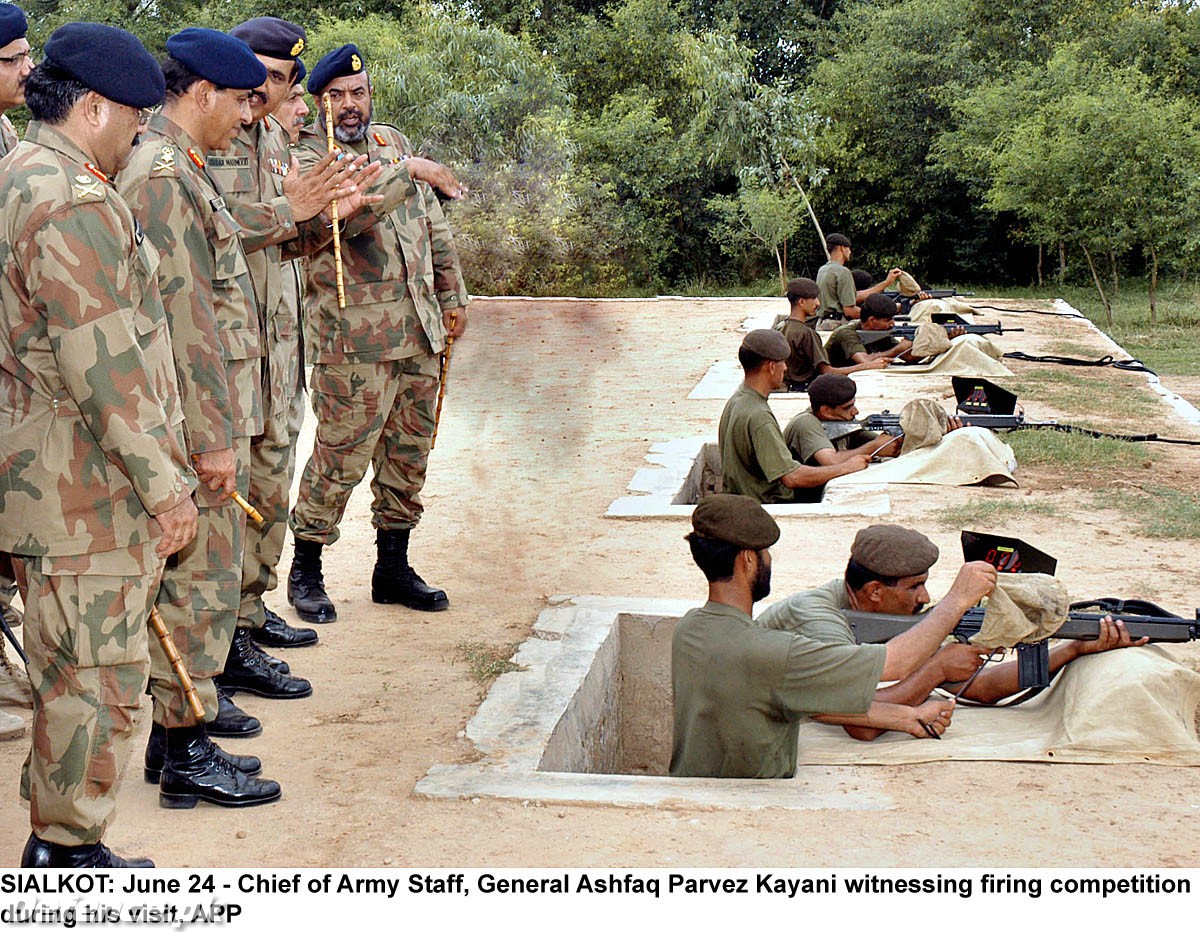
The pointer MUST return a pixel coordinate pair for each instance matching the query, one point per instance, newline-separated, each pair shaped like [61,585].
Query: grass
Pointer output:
[1068,391]
[1076,452]
[1157,510]
[993,514]
[486,662]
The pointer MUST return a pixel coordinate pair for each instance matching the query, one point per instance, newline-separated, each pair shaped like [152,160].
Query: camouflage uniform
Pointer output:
[375,363]
[251,173]
[215,336]
[8,579]
[8,136]
[91,447]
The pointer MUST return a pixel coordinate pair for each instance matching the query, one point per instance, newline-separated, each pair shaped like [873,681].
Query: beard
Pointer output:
[761,588]
[359,132]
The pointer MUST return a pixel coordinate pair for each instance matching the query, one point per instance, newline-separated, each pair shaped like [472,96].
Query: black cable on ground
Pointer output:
[1129,365]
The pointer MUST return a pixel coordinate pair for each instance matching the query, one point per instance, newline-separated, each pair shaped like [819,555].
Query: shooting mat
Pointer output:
[967,456]
[1131,706]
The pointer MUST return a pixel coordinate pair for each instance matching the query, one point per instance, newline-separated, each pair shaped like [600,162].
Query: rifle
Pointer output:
[907,301]
[908,331]
[1141,619]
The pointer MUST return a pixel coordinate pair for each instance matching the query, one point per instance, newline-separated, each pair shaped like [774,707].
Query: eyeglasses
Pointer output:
[18,59]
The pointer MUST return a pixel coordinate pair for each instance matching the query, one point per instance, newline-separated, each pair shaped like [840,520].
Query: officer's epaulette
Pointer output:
[166,164]
[87,187]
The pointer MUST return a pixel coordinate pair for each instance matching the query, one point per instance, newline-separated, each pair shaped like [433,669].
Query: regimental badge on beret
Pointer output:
[298,47]
[355,63]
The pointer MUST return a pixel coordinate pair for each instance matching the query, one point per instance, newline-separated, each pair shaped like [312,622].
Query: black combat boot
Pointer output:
[40,853]
[278,633]
[194,771]
[395,582]
[246,670]
[280,666]
[156,752]
[231,722]
[306,585]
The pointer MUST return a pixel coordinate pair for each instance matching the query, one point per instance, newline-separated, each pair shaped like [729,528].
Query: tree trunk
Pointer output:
[1041,255]
[1062,263]
[779,260]
[1112,261]
[1100,288]
[785,263]
[1153,285]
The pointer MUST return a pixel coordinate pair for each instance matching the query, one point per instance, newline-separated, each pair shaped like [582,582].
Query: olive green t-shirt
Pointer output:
[813,613]
[741,691]
[808,352]
[805,438]
[753,454]
[835,290]
[846,341]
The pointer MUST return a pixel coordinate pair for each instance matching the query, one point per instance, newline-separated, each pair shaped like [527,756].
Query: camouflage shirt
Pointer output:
[90,439]
[251,173]
[205,284]
[400,267]
[8,136]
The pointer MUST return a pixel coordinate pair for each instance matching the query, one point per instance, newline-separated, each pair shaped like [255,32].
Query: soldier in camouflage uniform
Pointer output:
[275,213]
[15,65]
[96,484]
[217,343]
[375,362]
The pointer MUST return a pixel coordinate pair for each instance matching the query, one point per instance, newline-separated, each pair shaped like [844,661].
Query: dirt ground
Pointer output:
[551,407]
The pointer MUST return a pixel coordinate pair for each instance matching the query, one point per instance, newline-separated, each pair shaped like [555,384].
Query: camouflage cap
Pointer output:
[769,344]
[891,550]
[735,519]
[339,63]
[107,60]
[13,24]
[801,288]
[271,36]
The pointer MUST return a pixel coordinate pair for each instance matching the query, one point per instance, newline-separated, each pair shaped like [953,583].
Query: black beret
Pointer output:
[879,305]
[769,344]
[107,60]
[12,23]
[735,519]
[337,64]
[831,390]
[891,550]
[271,36]
[801,288]
[836,239]
[217,57]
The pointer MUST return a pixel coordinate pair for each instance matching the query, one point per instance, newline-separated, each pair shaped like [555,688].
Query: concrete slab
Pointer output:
[552,696]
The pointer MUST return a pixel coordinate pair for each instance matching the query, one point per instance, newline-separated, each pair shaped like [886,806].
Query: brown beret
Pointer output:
[802,288]
[769,344]
[890,550]
[735,519]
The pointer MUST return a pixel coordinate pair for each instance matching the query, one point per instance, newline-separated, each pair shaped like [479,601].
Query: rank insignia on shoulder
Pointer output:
[379,140]
[217,203]
[88,189]
[195,157]
[165,163]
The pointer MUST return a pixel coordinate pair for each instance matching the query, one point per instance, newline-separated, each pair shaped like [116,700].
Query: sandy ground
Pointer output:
[551,408]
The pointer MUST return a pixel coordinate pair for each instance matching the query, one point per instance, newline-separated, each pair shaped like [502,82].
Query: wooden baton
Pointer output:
[159,627]
[442,370]
[333,210]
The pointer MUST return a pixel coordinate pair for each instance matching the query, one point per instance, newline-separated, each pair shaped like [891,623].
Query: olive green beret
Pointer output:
[890,550]
[802,288]
[735,519]
[769,344]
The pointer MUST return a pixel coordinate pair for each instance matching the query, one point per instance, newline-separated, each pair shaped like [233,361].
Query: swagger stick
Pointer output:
[159,627]
[251,512]
[442,370]
[333,212]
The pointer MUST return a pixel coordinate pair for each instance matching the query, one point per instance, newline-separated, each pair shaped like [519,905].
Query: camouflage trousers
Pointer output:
[85,633]
[272,466]
[377,414]
[8,590]
[199,600]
